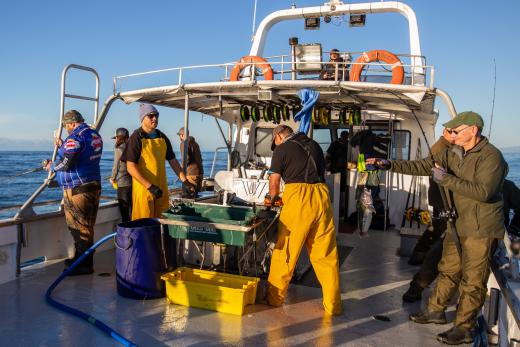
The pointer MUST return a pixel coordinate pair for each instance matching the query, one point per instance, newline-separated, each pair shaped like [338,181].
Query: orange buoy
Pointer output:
[246,61]
[378,55]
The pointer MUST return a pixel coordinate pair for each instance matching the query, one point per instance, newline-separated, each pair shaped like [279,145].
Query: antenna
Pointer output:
[254,22]
[493,104]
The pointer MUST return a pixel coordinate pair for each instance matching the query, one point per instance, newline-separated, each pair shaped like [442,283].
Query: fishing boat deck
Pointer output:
[373,279]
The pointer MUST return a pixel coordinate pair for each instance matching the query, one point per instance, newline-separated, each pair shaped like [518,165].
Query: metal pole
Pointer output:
[186,131]
[230,141]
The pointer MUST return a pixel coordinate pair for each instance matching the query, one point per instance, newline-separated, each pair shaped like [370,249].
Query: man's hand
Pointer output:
[382,164]
[270,201]
[155,191]
[51,183]
[438,173]
[46,164]
[190,188]
[58,142]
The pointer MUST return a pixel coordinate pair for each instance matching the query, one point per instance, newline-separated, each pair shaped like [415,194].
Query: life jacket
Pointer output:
[86,146]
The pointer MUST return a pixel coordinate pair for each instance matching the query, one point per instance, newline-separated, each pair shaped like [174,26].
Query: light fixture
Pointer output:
[357,20]
[312,23]
[308,58]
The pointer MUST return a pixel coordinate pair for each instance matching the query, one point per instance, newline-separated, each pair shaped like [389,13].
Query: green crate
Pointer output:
[211,223]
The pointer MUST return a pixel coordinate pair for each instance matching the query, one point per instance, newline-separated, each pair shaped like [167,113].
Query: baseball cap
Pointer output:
[465,118]
[72,116]
[181,131]
[280,129]
[121,132]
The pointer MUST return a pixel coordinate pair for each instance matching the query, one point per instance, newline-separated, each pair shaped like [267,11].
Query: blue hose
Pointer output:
[92,320]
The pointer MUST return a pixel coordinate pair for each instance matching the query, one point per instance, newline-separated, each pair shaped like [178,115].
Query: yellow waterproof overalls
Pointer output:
[152,165]
[306,218]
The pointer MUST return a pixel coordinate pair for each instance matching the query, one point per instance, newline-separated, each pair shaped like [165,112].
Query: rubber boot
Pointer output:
[86,266]
[414,293]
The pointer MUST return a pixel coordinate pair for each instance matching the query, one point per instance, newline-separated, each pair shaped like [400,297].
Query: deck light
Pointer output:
[308,58]
[312,23]
[357,20]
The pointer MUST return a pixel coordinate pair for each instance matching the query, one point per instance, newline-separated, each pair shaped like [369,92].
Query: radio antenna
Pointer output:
[493,104]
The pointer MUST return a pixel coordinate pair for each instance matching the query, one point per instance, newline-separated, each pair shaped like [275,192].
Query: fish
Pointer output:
[365,209]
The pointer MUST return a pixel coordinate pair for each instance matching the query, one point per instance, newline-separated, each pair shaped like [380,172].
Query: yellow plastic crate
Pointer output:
[210,290]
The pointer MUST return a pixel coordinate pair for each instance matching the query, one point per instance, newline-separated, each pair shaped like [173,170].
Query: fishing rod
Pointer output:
[493,104]
[448,212]
[39,168]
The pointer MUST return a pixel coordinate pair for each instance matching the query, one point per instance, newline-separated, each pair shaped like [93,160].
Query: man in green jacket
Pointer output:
[472,173]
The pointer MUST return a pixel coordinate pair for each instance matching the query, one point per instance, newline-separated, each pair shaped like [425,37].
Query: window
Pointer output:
[401,144]
[323,137]
[263,140]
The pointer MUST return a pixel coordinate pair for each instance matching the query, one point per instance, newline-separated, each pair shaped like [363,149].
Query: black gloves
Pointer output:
[155,191]
[382,164]
[272,201]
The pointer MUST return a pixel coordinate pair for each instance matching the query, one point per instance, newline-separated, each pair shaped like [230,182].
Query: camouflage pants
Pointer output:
[80,209]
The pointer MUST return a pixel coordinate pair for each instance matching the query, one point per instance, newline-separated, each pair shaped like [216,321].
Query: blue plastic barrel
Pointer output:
[143,254]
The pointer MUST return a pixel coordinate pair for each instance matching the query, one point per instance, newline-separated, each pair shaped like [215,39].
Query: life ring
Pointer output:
[375,55]
[246,61]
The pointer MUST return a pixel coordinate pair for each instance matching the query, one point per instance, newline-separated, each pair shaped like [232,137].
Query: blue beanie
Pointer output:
[146,109]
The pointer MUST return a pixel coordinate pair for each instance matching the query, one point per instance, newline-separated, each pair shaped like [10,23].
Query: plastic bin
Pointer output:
[210,290]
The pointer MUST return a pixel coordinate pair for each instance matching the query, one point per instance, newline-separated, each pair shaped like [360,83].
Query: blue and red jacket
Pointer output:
[79,157]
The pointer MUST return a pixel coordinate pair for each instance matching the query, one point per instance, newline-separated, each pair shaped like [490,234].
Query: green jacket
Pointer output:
[474,181]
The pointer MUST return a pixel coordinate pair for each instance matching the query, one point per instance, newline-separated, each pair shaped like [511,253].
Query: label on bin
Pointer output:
[202,230]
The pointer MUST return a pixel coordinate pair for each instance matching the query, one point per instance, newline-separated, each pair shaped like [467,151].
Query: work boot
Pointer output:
[413,294]
[455,336]
[426,317]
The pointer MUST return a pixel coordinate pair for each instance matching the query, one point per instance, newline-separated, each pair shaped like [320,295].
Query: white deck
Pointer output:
[373,280]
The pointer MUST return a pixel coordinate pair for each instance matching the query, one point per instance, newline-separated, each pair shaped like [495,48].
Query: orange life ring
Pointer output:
[375,55]
[247,61]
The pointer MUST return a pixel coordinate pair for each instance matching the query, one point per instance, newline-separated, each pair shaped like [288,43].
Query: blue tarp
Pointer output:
[308,99]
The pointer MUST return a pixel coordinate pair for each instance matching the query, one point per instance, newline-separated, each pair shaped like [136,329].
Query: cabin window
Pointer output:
[323,137]
[401,144]
[263,139]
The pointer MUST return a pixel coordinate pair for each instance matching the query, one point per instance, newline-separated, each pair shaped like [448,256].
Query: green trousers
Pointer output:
[469,274]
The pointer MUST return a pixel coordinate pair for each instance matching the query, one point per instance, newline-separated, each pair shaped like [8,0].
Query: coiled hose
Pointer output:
[90,319]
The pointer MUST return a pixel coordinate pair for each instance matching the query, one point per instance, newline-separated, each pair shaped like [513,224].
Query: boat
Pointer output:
[393,95]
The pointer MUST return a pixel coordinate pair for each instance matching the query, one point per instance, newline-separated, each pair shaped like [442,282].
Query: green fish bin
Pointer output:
[212,223]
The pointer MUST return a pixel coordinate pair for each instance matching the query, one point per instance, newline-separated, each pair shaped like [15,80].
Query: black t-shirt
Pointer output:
[338,153]
[134,146]
[291,160]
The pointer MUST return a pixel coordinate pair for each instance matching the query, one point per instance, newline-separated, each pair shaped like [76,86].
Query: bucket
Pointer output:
[143,253]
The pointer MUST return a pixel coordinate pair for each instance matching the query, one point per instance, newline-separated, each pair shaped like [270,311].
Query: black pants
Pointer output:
[428,271]
[124,197]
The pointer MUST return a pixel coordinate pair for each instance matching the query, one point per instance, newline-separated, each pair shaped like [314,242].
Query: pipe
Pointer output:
[92,320]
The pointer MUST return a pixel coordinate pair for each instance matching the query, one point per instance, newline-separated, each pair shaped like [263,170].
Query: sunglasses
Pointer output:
[456,132]
[152,115]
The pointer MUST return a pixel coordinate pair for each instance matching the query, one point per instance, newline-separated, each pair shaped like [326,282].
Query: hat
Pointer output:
[72,116]
[334,50]
[465,118]
[280,129]
[145,110]
[181,131]
[343,134]
[121,132]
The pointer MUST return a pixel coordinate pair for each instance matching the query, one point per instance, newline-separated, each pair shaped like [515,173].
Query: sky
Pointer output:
[461,39]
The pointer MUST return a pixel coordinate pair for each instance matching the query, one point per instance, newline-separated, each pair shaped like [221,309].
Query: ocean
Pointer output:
[15,191]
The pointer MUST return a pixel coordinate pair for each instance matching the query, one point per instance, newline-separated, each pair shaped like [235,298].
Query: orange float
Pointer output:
[378,55]
[248,60]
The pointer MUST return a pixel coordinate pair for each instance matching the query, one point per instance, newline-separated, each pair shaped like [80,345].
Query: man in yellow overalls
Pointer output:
[146,154]
[306,217]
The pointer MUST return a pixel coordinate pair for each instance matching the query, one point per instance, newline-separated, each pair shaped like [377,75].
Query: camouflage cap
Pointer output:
[72,116]
[465,118]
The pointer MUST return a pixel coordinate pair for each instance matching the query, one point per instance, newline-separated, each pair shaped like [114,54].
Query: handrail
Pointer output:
[215,159]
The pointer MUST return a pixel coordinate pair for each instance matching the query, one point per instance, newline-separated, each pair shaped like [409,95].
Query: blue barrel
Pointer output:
[143,254]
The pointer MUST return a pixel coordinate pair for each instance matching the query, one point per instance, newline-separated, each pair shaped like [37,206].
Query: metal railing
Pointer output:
[218,149]
[282,66]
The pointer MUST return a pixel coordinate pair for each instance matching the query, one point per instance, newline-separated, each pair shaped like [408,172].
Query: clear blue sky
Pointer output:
[38,38]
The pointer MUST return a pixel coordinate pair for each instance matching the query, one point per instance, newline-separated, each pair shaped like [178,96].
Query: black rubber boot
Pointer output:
[426,317]
[413,294]
[86,266]
[455,336]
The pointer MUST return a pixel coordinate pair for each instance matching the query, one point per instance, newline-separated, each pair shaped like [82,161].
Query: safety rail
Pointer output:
[218,149]
[282,66]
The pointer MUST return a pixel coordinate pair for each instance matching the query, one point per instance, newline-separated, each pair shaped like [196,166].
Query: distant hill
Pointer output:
[513,149]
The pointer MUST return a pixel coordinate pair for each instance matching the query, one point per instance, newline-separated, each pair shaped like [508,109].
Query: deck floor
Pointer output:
[373,281]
